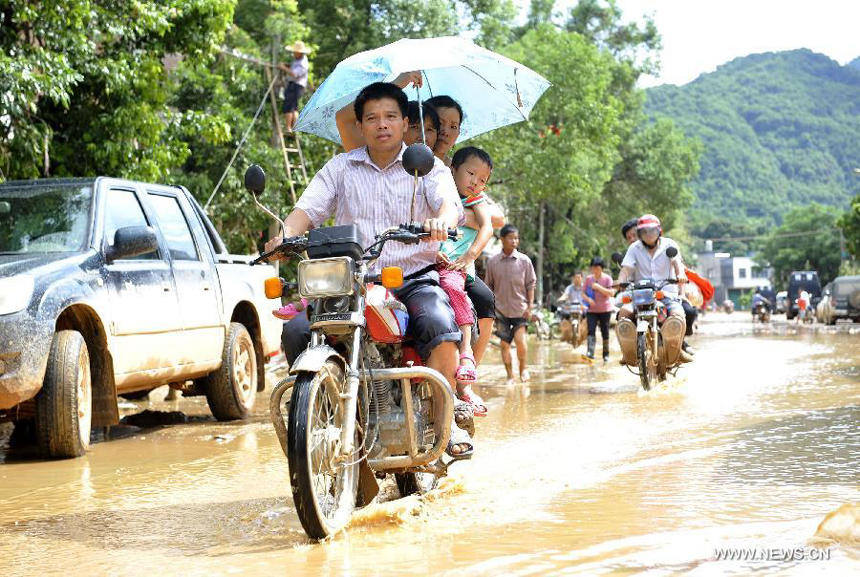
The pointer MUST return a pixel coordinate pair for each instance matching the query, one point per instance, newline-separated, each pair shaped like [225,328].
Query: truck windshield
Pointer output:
[44,217]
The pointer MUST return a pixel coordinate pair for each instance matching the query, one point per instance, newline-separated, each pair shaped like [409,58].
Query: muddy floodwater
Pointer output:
[578,472]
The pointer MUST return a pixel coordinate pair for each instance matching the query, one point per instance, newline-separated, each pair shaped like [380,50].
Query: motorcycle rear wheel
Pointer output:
[647,364]
[324,492]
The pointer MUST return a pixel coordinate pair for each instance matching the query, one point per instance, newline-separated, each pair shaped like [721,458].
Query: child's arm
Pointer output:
[485,233]
[497,217]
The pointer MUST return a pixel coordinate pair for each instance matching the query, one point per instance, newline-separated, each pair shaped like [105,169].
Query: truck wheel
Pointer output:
[64,405]
[232,389]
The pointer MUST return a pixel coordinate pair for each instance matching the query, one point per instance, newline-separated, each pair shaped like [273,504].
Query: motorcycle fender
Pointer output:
[313,359]
[642,326]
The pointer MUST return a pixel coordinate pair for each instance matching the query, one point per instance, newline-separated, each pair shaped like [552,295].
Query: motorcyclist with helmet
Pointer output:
[647,259]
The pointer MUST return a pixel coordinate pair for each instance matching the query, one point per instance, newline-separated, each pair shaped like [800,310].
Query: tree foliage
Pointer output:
[850,225]
[788,248]
[152,90]
[83,89]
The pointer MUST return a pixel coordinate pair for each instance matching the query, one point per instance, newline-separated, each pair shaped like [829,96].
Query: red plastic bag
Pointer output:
[706,287]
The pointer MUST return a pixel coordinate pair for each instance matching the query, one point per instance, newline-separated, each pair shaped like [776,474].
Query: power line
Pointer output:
[242,142]
[777,235]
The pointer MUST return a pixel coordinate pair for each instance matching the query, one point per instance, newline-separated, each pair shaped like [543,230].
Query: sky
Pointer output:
[700,35]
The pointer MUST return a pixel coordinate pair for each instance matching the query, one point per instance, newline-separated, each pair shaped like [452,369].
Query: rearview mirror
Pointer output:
[255,180]
[418,158]
[130,241]
[671,252]
[617,258]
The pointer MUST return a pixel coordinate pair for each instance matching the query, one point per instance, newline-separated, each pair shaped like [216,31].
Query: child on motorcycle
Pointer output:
[471,168]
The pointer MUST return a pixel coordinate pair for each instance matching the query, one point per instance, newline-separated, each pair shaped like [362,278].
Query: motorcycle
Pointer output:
[761,312]
[361,406]
[657,348]
[569,318]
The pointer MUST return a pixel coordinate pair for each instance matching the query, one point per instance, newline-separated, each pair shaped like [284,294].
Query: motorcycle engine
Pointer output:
[387,415]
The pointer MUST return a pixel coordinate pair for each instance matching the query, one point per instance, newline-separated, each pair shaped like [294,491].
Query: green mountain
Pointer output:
[855,63]
[780,130]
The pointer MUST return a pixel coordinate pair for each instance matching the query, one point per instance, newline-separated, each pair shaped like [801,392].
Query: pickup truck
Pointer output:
[112,287]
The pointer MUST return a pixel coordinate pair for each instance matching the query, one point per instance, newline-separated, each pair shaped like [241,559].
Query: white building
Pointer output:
[732,276]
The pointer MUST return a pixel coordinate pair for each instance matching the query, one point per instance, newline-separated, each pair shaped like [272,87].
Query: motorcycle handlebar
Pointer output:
[405,233]
[624,285]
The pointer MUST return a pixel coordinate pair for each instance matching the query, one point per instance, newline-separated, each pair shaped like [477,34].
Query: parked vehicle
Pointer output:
[658,338]
[111,287]
[799,281]
[362,406]
[840,300]
[781,302]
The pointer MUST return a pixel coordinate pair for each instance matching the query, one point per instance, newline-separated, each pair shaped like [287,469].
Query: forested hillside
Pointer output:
[779,130]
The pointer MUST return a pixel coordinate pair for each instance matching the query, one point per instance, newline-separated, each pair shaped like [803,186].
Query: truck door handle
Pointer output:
[165,286]
[206,287]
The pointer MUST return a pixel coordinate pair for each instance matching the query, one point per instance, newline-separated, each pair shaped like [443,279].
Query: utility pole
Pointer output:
[539,288]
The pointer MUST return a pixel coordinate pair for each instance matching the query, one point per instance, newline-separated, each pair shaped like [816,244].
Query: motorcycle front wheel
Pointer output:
[647,362]
[415,483]
[324,491]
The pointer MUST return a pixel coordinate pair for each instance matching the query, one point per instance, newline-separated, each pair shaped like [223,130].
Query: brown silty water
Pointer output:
[579,471]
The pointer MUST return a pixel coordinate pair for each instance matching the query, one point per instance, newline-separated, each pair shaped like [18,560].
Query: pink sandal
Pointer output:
[479,409]
[467,375]
[288,312]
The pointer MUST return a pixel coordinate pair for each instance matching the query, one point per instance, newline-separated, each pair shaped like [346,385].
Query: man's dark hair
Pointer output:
[508,229]
[378,91]
[443,101]
[429,114]
[627,226]
[468,152]
[597,261]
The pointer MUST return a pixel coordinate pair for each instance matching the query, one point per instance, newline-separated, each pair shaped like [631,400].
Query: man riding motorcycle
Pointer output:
[647,259]
[368,187]
[759,300]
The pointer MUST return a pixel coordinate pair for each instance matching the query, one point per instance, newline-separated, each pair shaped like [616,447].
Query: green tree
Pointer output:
[850,225]
[562,157]
[85,88]
[788,248]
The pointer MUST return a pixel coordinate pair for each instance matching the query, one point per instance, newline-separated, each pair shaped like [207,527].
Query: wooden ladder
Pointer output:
[301,177]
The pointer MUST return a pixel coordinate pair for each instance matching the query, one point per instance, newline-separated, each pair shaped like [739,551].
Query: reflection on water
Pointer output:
[577,472]
[809,448]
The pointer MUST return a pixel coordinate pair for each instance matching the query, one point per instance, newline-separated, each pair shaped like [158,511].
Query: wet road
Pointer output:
[579,472]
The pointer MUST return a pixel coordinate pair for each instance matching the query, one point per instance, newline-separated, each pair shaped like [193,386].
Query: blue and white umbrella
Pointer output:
[493,90]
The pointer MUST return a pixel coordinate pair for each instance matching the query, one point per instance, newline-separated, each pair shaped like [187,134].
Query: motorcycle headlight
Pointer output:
[643,296]
[325,277]
[15,293]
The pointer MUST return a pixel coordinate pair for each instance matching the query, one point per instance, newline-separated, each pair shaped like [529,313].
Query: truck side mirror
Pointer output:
[255,180]
[132,241]
[617,258]
[671,252]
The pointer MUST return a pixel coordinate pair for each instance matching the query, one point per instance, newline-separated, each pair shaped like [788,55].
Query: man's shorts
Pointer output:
[507,327]
[292,93]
